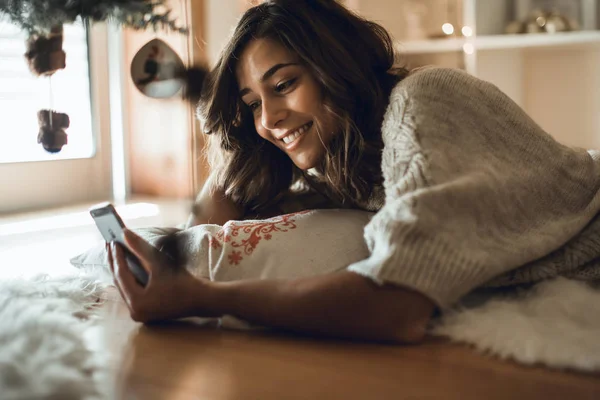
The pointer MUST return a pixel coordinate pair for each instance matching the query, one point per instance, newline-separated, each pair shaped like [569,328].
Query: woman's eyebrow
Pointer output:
[270,72]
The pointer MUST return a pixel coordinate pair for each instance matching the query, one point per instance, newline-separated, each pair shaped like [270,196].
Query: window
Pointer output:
[30,177]
[22,95]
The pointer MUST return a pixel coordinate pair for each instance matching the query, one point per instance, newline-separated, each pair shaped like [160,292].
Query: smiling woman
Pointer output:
[283,73]
[306,92]
[286,102]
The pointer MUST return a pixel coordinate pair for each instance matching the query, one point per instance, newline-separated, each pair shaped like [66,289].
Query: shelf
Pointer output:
[537,40]
[495,42]
[431,46]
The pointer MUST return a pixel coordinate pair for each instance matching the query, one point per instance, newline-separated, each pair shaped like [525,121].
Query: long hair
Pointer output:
[353,61]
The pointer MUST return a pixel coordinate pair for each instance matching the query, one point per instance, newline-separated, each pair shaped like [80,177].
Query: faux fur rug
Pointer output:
[556,323]
[44,353]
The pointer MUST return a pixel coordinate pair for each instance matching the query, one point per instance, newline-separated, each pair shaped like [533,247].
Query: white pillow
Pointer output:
[95,259]
[288,246]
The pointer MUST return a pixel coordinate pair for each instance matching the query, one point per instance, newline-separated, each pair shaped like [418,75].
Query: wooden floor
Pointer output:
[189,361]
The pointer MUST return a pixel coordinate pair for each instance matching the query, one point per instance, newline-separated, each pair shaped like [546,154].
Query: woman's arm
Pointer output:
[213,207]
[342,304]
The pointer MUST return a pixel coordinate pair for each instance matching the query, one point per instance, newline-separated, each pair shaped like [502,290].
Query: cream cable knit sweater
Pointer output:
[473,188]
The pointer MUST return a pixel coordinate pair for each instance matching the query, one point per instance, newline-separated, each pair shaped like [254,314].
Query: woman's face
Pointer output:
[286,102]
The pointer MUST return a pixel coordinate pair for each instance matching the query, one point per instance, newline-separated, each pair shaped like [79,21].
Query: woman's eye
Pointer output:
[254,106]
[284,85]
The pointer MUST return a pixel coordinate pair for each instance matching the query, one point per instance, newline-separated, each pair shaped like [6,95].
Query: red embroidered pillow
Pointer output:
[288,246]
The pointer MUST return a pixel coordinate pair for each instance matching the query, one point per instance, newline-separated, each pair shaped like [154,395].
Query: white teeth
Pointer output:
[293,136]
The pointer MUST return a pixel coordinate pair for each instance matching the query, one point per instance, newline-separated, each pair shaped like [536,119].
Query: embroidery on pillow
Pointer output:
[254,232]
[214,243]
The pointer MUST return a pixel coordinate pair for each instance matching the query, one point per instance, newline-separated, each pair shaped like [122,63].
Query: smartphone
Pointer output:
[111,227]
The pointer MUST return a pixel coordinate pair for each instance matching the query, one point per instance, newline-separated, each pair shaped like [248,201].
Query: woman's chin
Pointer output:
[303,167]
[304,163]
[308,157]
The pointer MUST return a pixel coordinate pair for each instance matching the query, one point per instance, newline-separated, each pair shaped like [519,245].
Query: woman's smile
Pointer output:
[292,139]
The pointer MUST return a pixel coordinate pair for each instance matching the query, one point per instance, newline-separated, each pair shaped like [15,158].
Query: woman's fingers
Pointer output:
[111,264]
[143,250]
[123,295]
[110,258]
[123,276]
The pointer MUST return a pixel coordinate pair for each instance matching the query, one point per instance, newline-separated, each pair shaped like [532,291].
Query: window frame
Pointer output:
[45,184]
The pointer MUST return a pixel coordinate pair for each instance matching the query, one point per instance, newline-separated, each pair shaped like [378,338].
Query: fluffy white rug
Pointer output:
[44,353]
[556,323]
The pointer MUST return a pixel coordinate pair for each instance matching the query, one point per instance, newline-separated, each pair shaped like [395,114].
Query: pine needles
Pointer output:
[37,17]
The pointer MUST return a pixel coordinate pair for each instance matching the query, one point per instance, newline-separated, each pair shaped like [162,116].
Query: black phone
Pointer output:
[111,226]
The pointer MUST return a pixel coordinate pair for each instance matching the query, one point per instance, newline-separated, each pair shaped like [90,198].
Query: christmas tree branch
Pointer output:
[37,17]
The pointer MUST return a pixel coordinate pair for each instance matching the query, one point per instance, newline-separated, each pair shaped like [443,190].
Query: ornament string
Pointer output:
[51,105]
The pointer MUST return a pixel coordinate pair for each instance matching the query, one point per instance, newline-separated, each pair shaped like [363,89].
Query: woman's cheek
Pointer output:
[263,133]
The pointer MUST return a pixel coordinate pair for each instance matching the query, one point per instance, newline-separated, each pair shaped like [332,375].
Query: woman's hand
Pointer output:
[172,292]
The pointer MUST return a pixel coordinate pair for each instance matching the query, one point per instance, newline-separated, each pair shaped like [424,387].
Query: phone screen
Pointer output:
[109,224]
[111,227]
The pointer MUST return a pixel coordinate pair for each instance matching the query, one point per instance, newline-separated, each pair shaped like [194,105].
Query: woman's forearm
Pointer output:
[342,304]
[213,207]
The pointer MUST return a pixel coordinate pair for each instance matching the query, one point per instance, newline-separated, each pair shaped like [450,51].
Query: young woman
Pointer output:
[465,185]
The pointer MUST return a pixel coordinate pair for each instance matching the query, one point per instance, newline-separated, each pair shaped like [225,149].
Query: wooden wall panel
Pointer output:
[161,133]
[196,10]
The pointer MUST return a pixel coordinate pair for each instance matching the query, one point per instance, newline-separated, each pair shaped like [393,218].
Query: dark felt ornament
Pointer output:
[45,54]
[52,135]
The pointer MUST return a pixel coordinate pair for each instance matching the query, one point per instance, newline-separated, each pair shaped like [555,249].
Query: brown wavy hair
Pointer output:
[351,58]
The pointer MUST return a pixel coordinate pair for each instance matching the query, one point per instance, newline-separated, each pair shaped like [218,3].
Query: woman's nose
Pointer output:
[273,112]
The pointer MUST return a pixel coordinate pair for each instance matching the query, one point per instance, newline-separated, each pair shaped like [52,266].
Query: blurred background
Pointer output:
[545,54]
[142,148]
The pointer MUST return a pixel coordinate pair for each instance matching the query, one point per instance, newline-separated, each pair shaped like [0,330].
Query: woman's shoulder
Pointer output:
[433,100]
[424,90]
[418,93]
[438,80]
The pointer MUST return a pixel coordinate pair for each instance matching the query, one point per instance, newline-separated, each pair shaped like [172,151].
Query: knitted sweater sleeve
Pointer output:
[474,188]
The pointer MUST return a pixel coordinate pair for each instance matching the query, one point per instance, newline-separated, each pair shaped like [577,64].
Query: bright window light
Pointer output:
[22,95]
[72,220]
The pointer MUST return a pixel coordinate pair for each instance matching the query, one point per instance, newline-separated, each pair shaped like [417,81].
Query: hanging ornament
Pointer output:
[52,135]
[45,54]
